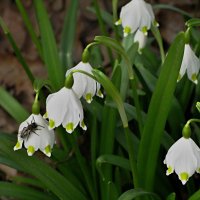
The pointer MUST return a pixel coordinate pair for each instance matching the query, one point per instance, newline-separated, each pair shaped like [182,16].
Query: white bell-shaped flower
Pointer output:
[64,107]
[183,157]
[137,14]
[190,63]
[141,39]
[84,85]
[34,133]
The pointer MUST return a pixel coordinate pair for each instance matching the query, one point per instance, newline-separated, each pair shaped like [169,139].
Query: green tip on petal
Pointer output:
[179,77]
[83,126]
[127,30]
[30,150]
[47,151]
[17,146]
[69,127]
[51,124]
[155,23]
[169,170]
[184,176]
[198,170]
[118,22]
[144,30]
[194,78]
[88,97]
[100,94]
[45,116]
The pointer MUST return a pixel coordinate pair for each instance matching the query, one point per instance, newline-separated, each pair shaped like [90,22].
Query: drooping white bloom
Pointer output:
[141,39]
[190,63]
[84,85]
[137,14]
[64,107]
[34,133]
[183,157]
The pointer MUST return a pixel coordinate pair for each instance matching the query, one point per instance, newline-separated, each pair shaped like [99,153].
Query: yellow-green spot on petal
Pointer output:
[118,22]
[198,170]
[17,146]
[184,177]
[194,77]
[45,115]
[155,23]
[51,123]
[88,97]
[69,127]
[47,150]
[169,170]
[127,30]
[83,126]
[100,94]
[30,150]
[144,30]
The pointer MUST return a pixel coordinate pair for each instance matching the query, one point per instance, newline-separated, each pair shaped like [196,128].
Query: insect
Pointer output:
[29,129]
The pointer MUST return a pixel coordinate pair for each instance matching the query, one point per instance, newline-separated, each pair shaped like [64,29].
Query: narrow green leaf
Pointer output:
[172,196]
[195,196]
[158,112]
[112,91]
[133,193]
[29,26]
[16,50]
[11,105]
[50,52]
[69,33]
[22,192]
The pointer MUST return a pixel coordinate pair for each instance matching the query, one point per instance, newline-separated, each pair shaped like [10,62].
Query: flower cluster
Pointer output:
[62,107]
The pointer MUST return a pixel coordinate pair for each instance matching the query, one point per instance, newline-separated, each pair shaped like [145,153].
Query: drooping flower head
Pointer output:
[34,133]
[190,63]
[84,85]
[64,107]
[137,14]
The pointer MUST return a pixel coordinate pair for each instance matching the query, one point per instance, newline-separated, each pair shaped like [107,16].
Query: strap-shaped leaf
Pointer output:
[158,112]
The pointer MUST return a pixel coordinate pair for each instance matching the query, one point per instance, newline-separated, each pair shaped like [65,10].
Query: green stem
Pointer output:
[102,25]
[137,104]
[192,120]
[84,168]
[158,37]
[132,158]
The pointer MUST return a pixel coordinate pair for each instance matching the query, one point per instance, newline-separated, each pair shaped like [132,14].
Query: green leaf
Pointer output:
[48,176]
[157,113]
[113,160]
[195,196]
[50,52]
[29,26]
[22,192]
[133,193]
[172,196]
[11,105]
[68,34]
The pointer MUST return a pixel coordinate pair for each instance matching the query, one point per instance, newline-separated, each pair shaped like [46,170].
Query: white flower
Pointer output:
[64,107]
[34,133]
[141,39]
[84,85]
[190,63]
[137,14]
[183,157]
